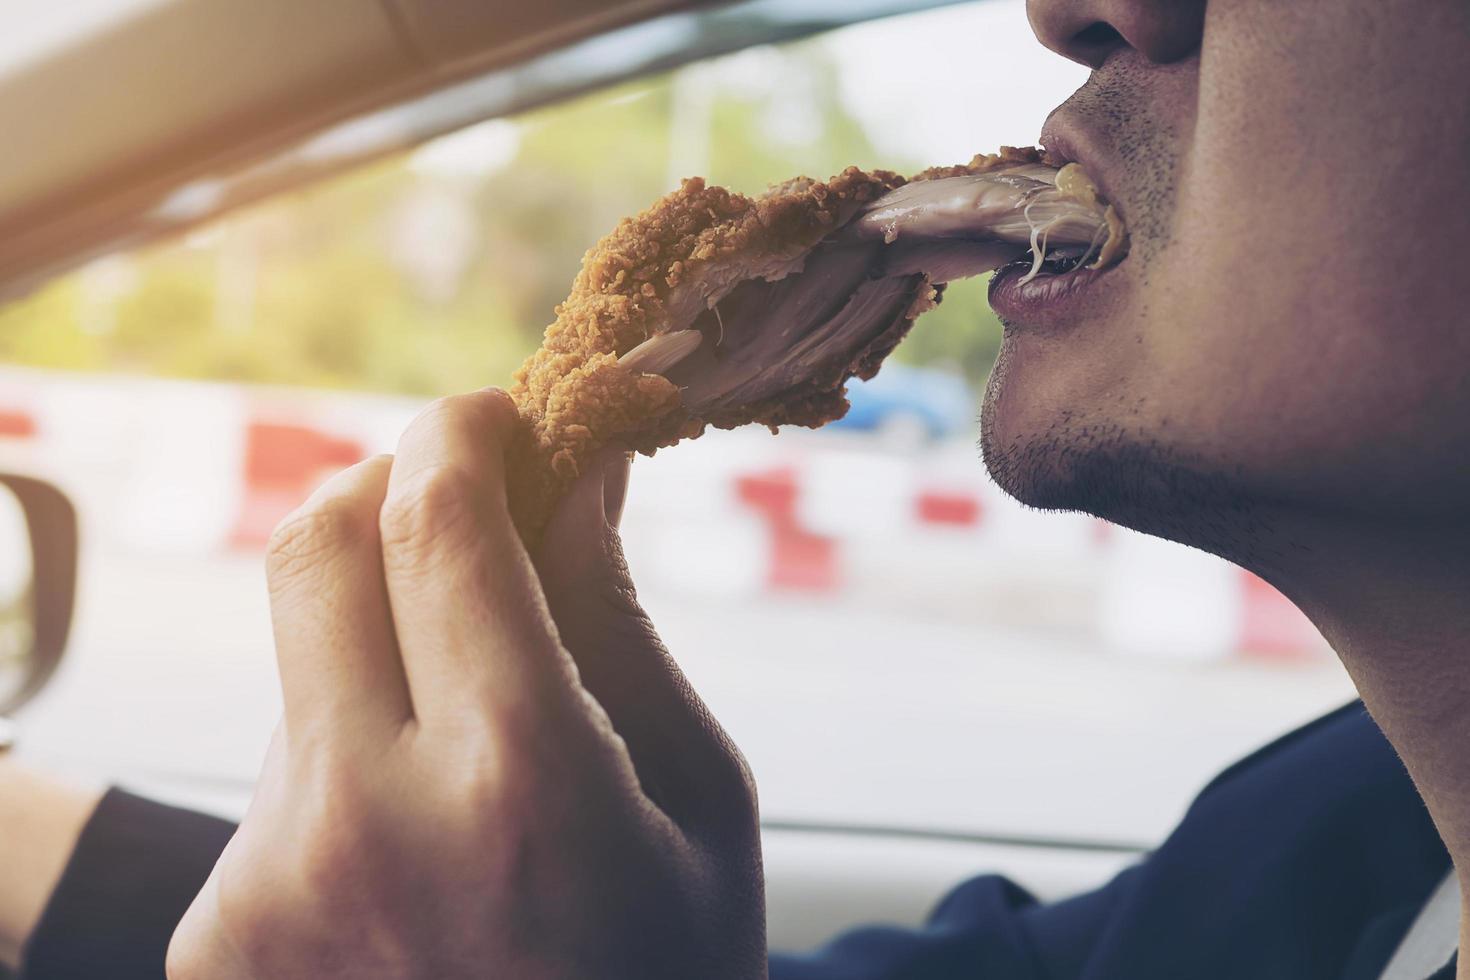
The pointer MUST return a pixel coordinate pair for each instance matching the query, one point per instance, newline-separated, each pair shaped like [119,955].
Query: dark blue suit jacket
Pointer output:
[1305,861]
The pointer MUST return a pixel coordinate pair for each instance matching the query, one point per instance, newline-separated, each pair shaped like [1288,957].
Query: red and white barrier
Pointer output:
[17,423]
[284,462]
[176,467]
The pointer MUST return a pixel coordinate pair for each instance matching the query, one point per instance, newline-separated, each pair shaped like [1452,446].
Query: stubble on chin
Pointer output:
[1125,476]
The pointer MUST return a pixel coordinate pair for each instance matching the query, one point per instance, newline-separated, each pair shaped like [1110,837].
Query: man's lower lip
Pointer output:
[1045,298]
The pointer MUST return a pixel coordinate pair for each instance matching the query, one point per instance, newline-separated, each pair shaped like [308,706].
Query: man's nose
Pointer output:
[1089,31]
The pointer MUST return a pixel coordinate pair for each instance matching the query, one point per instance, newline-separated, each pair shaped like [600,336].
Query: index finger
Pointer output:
[329,607]
[471,620]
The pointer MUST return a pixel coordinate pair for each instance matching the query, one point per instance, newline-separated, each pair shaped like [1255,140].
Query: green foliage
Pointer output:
[315,288]
[962,334]
[45,330]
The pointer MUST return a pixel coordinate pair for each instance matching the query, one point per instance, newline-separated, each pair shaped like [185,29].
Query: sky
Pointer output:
[973,78]
[938,86]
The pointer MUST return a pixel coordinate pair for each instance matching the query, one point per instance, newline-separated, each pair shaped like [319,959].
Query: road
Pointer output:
[849,713]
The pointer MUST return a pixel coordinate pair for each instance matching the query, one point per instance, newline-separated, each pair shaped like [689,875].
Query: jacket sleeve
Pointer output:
[974,932]
[988,927]
[136,867]
[138,864]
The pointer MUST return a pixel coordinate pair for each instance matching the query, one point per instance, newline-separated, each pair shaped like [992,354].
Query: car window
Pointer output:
[891,640]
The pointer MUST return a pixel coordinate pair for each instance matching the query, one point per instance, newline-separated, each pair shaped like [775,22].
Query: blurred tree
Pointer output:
[371,280]
[962,335]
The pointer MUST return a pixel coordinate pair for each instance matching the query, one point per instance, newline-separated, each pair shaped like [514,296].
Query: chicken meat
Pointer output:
[712,308]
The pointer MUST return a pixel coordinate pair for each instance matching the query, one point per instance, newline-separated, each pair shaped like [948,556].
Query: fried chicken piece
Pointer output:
[713,308]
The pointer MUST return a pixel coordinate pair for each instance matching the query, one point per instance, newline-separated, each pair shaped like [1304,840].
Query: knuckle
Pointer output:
[730,810]
[742,781]
[480,414]
[336,836]
[437,502]
[338,789]
[615,588]
[499,406]
[507,772]
[499,761]
[517,741]
[483,797]
[491,411]
[332,861]
[731,768]
[437,416]
[730,774]
[312,534]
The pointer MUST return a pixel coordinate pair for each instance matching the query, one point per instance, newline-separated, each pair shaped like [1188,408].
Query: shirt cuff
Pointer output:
[136,867]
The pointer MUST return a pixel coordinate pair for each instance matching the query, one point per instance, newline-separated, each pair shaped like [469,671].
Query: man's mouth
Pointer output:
[1022,295]
[714,309]
[842,305]
[1049,286]
[1056,261]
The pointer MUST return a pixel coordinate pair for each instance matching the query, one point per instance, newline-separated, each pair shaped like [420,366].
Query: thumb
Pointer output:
[684,759]
[578,546]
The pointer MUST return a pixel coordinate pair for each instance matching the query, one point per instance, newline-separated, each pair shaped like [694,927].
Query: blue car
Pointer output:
[937,403]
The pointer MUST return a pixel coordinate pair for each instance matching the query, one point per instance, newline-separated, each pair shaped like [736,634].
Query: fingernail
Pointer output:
[615,471]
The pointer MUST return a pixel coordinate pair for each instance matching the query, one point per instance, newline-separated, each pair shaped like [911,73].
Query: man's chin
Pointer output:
[1104,469]
[1053,469]
[1028,449]
[1030,438]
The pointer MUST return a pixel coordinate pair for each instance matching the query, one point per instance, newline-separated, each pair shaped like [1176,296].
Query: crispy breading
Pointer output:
[571,392]
[653,274]
[984,163]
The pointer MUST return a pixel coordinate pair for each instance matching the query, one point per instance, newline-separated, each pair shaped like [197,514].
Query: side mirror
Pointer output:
[38,576]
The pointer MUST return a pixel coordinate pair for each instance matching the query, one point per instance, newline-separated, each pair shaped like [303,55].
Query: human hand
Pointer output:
[482,771]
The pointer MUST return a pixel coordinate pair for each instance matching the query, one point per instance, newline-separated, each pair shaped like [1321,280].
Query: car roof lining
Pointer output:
[293,92]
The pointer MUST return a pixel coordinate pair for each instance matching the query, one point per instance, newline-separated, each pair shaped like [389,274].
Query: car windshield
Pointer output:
[886,635]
